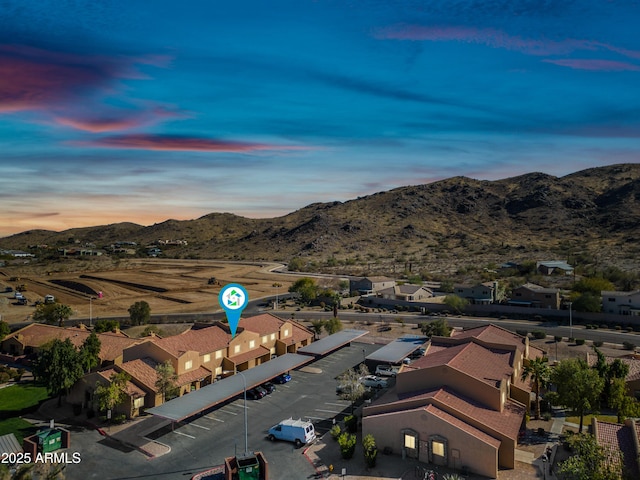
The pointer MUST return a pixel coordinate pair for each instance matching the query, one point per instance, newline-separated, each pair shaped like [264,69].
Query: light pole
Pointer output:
[276,286]
[246,432]
[90,309]
[570,322]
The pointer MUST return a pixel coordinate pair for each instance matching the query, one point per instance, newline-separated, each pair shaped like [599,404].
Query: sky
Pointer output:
[138,111]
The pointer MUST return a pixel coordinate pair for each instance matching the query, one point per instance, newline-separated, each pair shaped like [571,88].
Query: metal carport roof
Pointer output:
[397,350]
[332,342]
[195,402]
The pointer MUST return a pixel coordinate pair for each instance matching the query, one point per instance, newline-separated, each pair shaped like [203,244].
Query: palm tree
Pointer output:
[538,371]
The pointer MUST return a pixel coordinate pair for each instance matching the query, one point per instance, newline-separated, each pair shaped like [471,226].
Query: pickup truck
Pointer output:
[387,370]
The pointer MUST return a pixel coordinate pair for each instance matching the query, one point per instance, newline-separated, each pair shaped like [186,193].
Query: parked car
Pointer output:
[269,387]
[256,393]
[387,370]
[419,353]
[374,382]
[299,432]
[284,378]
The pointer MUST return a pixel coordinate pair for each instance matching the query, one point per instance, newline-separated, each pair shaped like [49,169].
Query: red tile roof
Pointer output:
[204,340]
[37,334]
[633,363]
[250,355]
[465,427]
[619,438]
[262,324]
[132,390]
[199,373]
[143,370]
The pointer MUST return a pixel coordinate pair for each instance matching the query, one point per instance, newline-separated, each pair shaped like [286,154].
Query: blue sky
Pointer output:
[144,111]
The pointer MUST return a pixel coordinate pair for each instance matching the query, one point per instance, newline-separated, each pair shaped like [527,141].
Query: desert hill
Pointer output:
[594,212]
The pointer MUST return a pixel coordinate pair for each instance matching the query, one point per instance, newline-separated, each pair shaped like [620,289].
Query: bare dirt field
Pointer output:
[169,286]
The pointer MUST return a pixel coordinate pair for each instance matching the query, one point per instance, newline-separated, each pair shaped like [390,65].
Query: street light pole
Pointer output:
[90,309]
[570,322]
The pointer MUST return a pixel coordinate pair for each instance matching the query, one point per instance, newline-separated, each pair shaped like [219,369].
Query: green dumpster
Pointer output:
[49,440]
[248,468]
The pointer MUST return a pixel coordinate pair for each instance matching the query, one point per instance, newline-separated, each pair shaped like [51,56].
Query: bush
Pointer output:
[335,431]
[370,450]
[522,333]
[597,343]
[347,443]
[539,335]
[571,339]
[558,338]
[351,423]
[628,345]
[579,341]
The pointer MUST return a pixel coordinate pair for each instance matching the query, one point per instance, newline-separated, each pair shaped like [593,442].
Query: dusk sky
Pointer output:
[143,111]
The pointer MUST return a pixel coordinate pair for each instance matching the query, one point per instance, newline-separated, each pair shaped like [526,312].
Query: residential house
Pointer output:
[480,294]
[277,335]
[532,295]
[621,303]
[370,285]
[461,405]
[30,339]
[622,438]
[632,379]
[406,293]
[554,267]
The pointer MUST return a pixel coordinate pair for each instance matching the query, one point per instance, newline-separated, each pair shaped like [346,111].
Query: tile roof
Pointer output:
[262,324]
[462,425]
[537,288]
[204,340]
[132,390]
[199,373]
[37,334]
[143,370]
[633,363]
[250,355]
[490,365]
[619,437]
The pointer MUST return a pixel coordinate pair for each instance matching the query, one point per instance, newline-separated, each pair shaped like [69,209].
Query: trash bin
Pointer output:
[248,468]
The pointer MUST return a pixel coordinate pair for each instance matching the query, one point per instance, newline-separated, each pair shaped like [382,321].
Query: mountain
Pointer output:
[595,211]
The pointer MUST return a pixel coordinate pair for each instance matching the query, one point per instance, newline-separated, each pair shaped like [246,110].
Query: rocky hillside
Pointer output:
[593,212]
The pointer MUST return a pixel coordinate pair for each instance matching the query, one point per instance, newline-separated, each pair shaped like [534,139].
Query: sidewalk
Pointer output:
[131,434]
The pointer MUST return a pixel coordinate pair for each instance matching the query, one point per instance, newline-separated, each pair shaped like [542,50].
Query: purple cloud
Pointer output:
[594,64]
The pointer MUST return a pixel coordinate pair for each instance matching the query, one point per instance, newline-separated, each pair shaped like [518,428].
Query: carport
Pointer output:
[332,342]
[396,351]
[207,397]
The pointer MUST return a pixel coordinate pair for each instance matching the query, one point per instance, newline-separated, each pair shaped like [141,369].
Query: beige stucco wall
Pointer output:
[478,456]
[243,341]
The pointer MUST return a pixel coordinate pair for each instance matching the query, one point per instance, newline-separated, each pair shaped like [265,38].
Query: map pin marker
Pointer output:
[233,298]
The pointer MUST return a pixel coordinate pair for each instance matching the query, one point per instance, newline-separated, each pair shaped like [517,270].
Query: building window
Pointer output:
[207,358]
[218,354]
[138,402]
[188,364]
[252,344]
[273,336]
[218,371]
[286,332]
[409,441]
[236,349]
[265,338]
[438,448]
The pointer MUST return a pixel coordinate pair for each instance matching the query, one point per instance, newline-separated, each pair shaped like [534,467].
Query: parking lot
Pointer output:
[206,440]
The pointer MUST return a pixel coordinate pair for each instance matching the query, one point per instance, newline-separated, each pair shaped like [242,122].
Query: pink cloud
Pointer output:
[594,64]
[117,121]
[37,79]
[487,36]
[180,143]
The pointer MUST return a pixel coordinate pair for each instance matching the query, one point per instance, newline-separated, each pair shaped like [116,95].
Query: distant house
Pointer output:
[554,267]
[532,295]
[460,405]
[480,294]
[16,253]
[621,303]
[617,437]
[406,293]
[370,285]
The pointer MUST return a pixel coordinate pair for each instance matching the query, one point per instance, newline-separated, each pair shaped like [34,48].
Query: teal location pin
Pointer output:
[233,298]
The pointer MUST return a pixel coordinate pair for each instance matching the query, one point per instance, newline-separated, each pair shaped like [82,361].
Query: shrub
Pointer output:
[571,339]
[522,333]
[597,343]
[618,327]
[558,338]
[604,325]
[351,423]
[628,345]
[370,450]
[335,431]
[539,335]
[579,341]
[347,443]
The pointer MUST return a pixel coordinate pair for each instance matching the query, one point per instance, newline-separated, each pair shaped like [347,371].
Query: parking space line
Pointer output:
[199,426]
[183,434]
[213,418]
[327,411]
[239,406]
[315,418]
[338,404]
[230,413]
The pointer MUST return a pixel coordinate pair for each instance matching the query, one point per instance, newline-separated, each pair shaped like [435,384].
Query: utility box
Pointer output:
[252,466]
[49,440]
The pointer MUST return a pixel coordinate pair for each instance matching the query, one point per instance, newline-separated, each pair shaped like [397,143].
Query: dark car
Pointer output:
[269,387]
[284,378]
[256,393]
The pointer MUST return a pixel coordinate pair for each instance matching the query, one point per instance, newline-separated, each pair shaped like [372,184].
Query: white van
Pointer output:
[296,431]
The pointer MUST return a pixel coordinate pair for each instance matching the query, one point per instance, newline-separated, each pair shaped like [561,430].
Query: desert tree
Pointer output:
[167,381]
[139,313]
[114,393]
[52,312]
[89,354]
[58,366]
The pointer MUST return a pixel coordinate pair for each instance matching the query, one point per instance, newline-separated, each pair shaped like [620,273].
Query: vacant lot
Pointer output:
[169,286]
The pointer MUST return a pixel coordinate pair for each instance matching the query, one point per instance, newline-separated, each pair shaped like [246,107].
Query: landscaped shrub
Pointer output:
[335,431]
[347,443]
[597,343]
[539,335]
[351,423]
[579,341]
[628,345]
[558,338]
[522,333]
[604,325]
[370,450]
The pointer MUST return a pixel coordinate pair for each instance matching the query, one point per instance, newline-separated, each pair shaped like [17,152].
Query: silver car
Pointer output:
[372,381]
